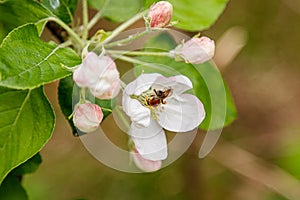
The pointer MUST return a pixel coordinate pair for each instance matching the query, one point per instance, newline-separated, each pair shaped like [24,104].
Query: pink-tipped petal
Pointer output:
[144,164]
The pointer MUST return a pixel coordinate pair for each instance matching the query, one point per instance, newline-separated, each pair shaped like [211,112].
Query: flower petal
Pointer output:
[108,84]
[144,164]
[87,117]
[90,70]
[195,50]
[178,83]
[138,114]
[182,115]
[141,84]
[139,132]
[152,148]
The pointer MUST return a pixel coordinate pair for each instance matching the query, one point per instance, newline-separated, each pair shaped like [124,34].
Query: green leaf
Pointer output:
[65,98]
[15,13]
[26,124]
[30,166]
[69,95]
[105,103]
[208,84]
[289,154]
[148,3]
[11,189]
[63,9]
[27,62]
[118,10]
[197,15]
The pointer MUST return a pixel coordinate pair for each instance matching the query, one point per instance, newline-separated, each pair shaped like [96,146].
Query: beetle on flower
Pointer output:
[175,111]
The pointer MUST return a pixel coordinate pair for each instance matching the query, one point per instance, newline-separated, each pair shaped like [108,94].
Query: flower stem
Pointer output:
[106,109]
[82,95]
[122,117]
[85,19]
[98,15]
[68,29]
[123,85]
[139,53]
[65,44]
[158,67]
[123,26]
[126,40]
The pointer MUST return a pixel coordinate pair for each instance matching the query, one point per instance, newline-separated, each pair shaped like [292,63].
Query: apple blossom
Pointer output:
[176,111]
[87,117]
[195,50]
[99,74]
[160,14]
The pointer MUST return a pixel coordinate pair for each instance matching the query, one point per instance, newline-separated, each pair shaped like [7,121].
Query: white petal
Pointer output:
[182,115]
[153,148]
[138,114]
[141,84]
[178,83]
[139,132]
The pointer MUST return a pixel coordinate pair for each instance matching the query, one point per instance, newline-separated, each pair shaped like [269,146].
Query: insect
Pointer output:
[158,97]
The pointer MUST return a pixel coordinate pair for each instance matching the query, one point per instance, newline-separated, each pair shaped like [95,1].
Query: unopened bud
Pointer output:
[195,51]
[87,117]
[144,164]
[160,14]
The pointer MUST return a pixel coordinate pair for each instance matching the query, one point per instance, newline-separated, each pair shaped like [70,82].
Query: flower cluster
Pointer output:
[100,75]
[153,103]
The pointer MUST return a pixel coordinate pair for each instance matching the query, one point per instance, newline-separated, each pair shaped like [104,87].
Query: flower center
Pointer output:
[152,98]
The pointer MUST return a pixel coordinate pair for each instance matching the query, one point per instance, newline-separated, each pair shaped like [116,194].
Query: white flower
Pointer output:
[160,14]
[99,74]
[195,50]
[176,111]
[87,117]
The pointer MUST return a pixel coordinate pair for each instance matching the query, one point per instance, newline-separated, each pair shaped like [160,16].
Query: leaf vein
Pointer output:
[19,113]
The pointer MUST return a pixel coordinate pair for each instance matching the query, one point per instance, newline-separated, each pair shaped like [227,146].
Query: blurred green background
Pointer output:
[257,157]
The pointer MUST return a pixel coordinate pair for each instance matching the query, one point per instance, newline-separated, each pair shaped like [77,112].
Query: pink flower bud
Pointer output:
[160,14]
[196,50]
[108,86]
[144,164]
[99,74]
[87,117]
